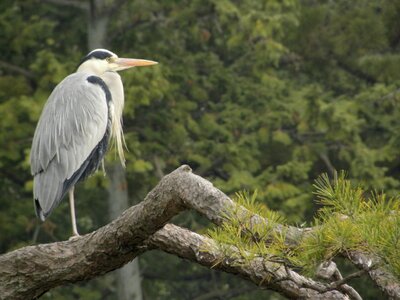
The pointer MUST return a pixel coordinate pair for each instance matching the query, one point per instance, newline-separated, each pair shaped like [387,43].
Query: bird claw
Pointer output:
[74,237]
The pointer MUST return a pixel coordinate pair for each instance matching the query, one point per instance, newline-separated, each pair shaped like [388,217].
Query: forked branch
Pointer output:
[29,272]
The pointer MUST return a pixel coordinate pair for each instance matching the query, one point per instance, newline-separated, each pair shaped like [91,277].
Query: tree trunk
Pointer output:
[97,24]
[128,277]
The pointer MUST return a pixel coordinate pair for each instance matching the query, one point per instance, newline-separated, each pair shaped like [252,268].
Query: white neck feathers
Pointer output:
[114,83]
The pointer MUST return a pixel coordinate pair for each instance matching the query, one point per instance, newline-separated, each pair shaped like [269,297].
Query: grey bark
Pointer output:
[203,250]
[31,271]
[128,277]
[386,281]
[99,14]
[97,25]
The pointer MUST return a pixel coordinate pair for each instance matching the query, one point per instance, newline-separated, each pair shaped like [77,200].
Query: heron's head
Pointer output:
[100,61]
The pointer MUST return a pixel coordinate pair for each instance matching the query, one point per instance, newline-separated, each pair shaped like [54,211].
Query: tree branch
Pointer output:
[221,294]
[328,270]
[72,3]
[116,6]
[29,272]
[17,69]
[204,251]
[385,280]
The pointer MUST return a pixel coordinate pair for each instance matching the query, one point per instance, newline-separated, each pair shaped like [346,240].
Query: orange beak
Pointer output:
[125,63]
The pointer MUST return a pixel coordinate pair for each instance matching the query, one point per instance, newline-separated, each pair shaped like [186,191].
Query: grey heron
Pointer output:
[71,138]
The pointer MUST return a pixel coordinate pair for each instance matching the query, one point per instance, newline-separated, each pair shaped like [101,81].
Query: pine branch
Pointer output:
[205,251]
[385,280]
[328,270]
[29,272]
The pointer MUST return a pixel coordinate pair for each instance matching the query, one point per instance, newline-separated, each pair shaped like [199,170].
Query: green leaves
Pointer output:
[256,95]
[338,196]
[243,237]
[347,221]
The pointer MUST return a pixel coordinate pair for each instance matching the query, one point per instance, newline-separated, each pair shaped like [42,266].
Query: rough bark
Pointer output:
[31,271]
[28,272]
[204,251]
[382,278]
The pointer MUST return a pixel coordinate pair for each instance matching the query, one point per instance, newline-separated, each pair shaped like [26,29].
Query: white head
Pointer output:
[100,61]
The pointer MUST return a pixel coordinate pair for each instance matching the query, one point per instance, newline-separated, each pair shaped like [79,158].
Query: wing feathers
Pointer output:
[47,187]
[73,122]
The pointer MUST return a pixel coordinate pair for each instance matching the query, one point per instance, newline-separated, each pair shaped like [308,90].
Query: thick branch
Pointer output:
[203,250]
[31,271]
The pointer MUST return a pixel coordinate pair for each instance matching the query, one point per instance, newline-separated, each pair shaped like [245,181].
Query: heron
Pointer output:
[82,114]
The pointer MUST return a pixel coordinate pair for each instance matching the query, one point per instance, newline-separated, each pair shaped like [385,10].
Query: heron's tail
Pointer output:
[47,192]
[38,210]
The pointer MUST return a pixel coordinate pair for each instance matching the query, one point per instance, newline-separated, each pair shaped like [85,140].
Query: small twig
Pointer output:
[390,95]
[350,291]
[341,283]
[115,7]
[334,285]
[325,158]
[17,69]
[71,3]
[225,294]
[269,273]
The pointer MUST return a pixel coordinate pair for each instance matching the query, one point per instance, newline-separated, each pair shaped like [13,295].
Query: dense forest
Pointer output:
[254,95]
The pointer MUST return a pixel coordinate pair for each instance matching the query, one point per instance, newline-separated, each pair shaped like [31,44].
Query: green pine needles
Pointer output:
[350,219]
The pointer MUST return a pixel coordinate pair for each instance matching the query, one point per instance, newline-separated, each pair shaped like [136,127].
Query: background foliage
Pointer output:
[256,95]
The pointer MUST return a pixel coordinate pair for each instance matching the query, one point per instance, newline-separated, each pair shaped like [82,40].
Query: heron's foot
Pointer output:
[74,237]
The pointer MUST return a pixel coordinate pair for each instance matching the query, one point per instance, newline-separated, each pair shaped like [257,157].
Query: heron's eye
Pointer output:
[109,59]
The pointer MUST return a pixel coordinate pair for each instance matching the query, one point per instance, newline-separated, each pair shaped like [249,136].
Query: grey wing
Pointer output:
[72,123]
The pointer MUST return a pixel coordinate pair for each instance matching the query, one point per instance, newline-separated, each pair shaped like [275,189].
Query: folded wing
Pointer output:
[73,126]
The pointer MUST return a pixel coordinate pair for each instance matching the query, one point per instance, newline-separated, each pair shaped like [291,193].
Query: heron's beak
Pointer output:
[125,63]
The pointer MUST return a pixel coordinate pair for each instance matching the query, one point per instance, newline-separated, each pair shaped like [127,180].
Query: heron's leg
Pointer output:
[72,206]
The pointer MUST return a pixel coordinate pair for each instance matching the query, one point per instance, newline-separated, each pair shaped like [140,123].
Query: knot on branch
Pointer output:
[184,168]
[326,270]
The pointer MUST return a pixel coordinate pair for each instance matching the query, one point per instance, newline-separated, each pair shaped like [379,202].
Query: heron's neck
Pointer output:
[91,66]
[114,84]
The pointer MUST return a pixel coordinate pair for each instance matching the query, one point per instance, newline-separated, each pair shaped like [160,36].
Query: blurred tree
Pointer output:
[249,240]
[253,94]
